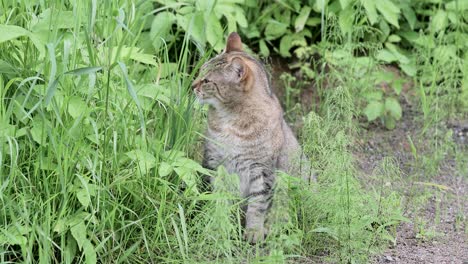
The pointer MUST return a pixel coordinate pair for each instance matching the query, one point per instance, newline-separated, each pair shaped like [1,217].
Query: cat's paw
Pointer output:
[254,235]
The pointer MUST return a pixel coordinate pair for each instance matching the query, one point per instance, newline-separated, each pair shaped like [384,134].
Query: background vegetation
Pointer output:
[100,135]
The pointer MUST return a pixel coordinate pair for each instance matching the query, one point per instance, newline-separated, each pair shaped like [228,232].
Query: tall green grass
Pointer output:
[100,139]
[85,126]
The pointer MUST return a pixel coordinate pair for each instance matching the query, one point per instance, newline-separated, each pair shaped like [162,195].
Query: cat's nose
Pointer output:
[196,85]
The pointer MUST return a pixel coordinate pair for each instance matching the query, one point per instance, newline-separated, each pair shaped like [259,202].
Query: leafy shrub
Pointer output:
[99,133]
[203,21]
[383,103]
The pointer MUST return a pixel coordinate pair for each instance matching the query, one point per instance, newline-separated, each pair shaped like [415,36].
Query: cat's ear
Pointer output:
[241,70]
[233,43]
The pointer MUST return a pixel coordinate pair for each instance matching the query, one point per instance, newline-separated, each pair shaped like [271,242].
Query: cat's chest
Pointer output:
[225,140]
[233,137]
[230,142]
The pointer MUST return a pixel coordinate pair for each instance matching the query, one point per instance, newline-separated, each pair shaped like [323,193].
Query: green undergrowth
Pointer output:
[100,145]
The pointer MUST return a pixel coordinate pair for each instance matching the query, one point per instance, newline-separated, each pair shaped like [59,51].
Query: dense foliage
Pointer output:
[100,135]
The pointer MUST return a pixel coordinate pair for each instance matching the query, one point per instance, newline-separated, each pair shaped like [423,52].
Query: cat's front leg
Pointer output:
[260,193]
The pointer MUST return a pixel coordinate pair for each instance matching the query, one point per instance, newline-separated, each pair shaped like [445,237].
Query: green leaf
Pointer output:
[285,46]
[373,96]
[214,33]
[345,3]
[302,18]
[52,18]
[386,56]
[418,39]
[389,10]
[240,18]
[232,23]
[324,6]
[79,233]
[409,68]
[389,122]
[374,110]
[70,250]
[188,163]
[6,130]
[398,85]
[70,221]
[394,38]
[369,5]
[76,107]
[161,27]
[84,191]
[52,86]
[457,5]
[90,252]
[314,21]
[84,70]
[408,13]
[6,67]
[60,226]
[263,48]
[445,53]
[38,43]
[83,197]
[145,160]
[166,69]
[51,89]
[453,17]
[154,92]
[251,3]
[10,32]
[206,6]
[346,20]
[164,169]
[14,235]
[39,129]
[385,28]
[319,6]
[393,107]
[134,96]
[188,176]
[275,29]
[439,21]
[137,55]
[283,15]
[397,52]
[196,28]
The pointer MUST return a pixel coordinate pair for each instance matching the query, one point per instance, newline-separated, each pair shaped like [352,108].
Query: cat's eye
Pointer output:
[205,81]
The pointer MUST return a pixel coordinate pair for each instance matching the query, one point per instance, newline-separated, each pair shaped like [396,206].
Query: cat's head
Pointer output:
[231,77]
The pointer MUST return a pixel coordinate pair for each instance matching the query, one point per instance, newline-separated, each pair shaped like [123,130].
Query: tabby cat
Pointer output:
[246,130]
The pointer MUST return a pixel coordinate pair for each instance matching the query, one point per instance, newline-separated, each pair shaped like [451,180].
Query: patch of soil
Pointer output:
[307,97]
[436,233]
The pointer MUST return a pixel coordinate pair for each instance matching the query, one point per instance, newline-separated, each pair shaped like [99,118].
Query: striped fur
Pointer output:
[246,130]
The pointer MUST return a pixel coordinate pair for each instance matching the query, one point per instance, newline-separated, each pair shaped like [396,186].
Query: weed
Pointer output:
[100,135]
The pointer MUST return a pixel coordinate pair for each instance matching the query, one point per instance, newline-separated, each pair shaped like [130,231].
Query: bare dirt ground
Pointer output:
[435,204]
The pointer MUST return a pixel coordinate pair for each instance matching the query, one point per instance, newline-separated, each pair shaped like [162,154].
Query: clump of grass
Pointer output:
[344,213]
[90,125]
[99,135]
